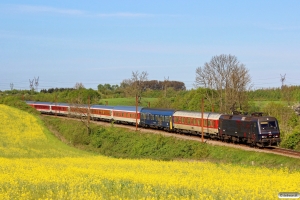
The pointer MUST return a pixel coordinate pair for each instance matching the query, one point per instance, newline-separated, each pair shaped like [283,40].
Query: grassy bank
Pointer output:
[123,143]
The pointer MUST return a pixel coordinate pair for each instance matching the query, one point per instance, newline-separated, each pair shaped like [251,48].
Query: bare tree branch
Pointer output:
[225,75]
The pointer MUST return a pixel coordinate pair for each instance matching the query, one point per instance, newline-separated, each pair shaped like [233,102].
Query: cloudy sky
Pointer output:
[98,42]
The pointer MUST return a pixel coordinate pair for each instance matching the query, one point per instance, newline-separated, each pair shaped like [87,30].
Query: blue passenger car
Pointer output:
[157,118]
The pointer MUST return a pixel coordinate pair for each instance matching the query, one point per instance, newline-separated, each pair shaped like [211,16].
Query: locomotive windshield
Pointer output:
[268,125]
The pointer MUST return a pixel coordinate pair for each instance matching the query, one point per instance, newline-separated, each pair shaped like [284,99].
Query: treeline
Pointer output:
[52,90]
[149,89]
[285,93]
[162,85]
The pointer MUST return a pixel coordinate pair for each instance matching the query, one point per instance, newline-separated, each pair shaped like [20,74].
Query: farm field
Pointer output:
[36,165]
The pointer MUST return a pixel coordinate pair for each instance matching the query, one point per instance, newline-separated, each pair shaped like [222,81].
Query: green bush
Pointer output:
[292,141]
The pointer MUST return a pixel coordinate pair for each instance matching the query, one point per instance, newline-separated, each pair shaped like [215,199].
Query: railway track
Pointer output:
[274,150]
[283,151]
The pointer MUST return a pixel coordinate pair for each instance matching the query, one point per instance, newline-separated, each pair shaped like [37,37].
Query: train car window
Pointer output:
[205,122]
[263,125]
[268,125]
[151,117]
[272,124]
[161,118]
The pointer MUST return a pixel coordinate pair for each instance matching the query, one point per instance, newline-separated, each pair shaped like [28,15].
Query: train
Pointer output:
[255,129]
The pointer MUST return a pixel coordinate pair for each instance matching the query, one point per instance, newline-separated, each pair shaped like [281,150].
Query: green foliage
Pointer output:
[292,141]
[285,116]
[286,93]
[122,143]
[269,94]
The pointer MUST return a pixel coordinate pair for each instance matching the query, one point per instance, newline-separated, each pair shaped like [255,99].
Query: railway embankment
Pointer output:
[125,143]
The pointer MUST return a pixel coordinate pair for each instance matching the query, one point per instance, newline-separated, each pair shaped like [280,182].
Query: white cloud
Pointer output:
[48,9]
[124,14]
[44,9]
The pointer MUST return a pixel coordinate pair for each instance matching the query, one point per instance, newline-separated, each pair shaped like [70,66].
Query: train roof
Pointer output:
[158,111]
[60,104]
[47,103]
[210,115]
[247,118]
[38,102]
[127,108]
[102,107]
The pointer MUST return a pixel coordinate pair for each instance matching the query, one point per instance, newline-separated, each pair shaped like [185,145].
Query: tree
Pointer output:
[138,82]
[79,86]
[230,80]
[136,85]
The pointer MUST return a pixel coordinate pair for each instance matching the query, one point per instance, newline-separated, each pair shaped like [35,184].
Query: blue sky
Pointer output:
[98,42]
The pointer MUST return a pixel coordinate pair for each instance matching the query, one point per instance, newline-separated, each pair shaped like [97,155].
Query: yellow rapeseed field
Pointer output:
[34,166]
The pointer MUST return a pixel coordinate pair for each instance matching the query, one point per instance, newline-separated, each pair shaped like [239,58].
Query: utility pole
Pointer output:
[88,111]
[202,120]
[136,111]
[55,104]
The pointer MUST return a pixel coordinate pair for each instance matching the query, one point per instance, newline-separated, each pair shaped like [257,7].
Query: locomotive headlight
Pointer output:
[263,136]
